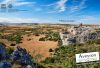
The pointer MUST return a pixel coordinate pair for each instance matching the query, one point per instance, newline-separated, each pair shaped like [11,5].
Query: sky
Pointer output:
[51,11]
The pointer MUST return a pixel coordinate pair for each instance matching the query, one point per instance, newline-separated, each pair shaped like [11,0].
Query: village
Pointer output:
[79,34]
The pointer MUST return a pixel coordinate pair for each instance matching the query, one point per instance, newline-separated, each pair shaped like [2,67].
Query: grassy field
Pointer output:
[30,36]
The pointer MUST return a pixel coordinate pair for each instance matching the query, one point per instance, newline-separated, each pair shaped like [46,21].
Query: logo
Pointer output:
[9,7]
[5,6]
[87,57]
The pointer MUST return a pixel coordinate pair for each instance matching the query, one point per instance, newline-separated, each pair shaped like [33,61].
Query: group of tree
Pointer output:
[12,37]
[64,56]
[51,36]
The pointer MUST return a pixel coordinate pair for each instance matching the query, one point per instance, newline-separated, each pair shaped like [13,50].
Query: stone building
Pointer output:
[78,34]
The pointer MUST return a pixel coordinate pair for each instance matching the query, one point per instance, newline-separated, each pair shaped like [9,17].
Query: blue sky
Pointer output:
[51,11]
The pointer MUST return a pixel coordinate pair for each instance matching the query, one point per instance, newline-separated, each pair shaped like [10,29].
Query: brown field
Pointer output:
[36,47]
[33,46]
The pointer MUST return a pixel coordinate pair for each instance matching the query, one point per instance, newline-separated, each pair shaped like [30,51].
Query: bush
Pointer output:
[36,34]
[13,37]
[2,44]
[97,41]
[9,50]
[49,60]
[42,39]
[51,36]
[50,50]
[12,44]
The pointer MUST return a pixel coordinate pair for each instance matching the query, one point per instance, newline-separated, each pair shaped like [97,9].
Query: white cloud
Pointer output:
[89,19]
[17,2]
[82,3]
[52,12]
[61,5]
[78,7]
[18,20]
[58,6]
[22,3]
[6,1]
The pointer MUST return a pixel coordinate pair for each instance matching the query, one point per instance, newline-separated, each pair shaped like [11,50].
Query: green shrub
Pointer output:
[50,50]
[9,50]
[97,41]
[12,44]
[42,39]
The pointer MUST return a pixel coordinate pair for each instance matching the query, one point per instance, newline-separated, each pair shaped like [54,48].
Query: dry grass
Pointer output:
[38,47]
